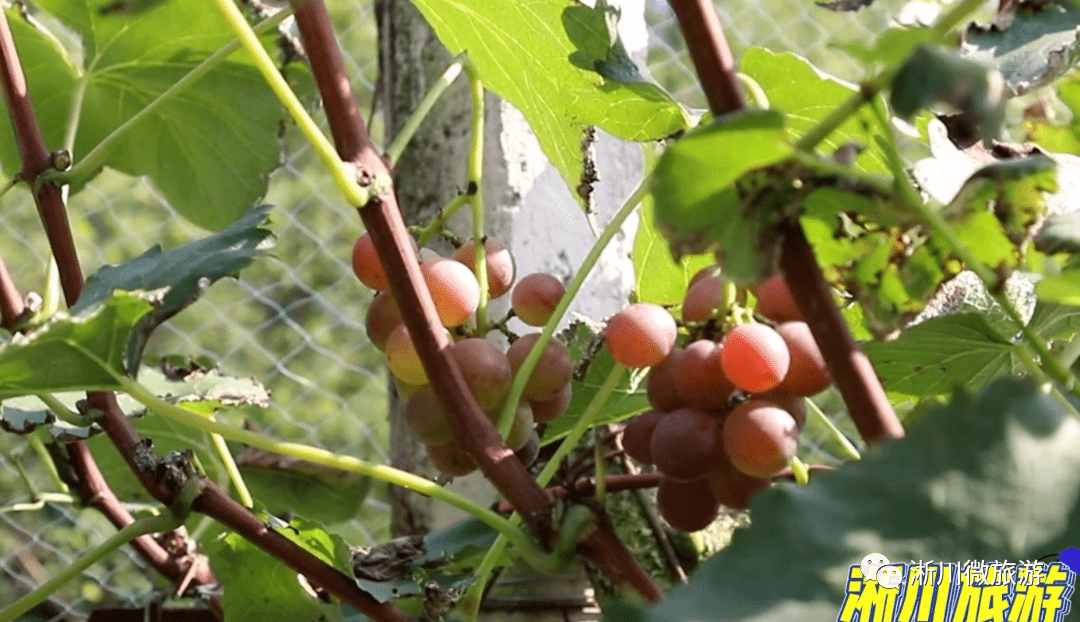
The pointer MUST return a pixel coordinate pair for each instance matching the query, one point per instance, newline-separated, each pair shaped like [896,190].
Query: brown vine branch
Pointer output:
[12,305]
[132,447]
[383,221]
[855,378]
[586,487]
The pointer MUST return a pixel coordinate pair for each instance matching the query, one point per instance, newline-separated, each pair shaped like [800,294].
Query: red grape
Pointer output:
[699,377]
[708,271]
[808,374]
[686,506]
[703,298]
[755,357]
[760,438]
[454,290]
[552,371]
[775,300]
[731,487]
[383,317]
[685,444]
[426,418]
[500,264]
[550,410]
[661,390]
[451,459]
[535,297]
[641,335]
[485,368]
[638,433]
[793,404]
[366,264]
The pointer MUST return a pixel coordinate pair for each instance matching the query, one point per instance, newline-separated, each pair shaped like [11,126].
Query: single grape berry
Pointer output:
[500,264]
[426,418]
[366,264]
[699,377]
[794,404]
[708,271]
[660,388]
[522,427]
[808,374]
[550,410]
[383,317]
[402,358]
[703,298]
[450,459]
[454,290]
[485,368]
[760,438]
[641,335]
[755,357]
[685,444]
[535,297]
[552,372]
[731,487]
[686,506]
[638,433]
[775,300]
[531,451]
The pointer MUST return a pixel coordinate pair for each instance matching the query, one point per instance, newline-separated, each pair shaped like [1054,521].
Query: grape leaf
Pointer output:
[990,477]
[186,271]
[221,131]
[1063,139]
[796,88]
[698,206]
[941,354]
[627,400]
[261,587]
[525,54]
[891,47]
[658,278]
[1037,47]
[80,352]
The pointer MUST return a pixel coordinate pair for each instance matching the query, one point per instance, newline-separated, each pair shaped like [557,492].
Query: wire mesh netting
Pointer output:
[297,326]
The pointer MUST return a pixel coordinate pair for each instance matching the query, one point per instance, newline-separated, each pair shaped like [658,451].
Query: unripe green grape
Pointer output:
[454,290]
[535,297]
[522,427]
[641,335]
[383,316]
[402,358]
[500,264]
[552,371]
[486,370]
[528,454]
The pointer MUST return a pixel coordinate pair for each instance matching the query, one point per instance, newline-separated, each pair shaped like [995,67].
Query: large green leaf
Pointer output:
[698,206]
[80,352]
[525,52]
[805,97]
[260,587]
[658,278]
[627,400]
[208,149]
[994,477]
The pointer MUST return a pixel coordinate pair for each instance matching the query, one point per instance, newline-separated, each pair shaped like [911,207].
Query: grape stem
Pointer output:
[397,146]
[471,601]
[433,228]
[476,184]
[845,444]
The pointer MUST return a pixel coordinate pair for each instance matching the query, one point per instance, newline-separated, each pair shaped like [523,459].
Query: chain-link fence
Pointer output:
[291,324]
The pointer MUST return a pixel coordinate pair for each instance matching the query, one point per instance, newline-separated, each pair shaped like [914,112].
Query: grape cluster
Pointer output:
[487,370]
[726,410]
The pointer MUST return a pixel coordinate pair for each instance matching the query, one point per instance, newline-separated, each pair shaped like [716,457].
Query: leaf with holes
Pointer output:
[221,131]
